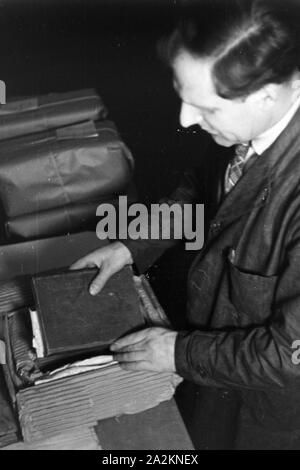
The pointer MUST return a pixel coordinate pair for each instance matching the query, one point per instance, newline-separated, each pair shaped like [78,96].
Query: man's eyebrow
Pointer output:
[207,108]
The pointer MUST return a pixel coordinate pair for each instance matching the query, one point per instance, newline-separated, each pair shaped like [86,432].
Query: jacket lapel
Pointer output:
[254,188]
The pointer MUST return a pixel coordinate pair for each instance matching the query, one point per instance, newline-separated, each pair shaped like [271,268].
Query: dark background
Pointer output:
[111,45]
[65,45]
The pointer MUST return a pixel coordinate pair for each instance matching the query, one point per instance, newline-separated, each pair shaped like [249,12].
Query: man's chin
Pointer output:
[222,141]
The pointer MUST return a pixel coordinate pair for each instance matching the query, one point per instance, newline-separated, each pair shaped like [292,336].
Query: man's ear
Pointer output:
[265,97]
[296,88]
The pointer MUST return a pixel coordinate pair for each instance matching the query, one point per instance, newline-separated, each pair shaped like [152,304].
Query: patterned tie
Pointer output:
[236,166]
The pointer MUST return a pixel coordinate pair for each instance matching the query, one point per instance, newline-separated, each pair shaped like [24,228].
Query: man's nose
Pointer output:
[189,115]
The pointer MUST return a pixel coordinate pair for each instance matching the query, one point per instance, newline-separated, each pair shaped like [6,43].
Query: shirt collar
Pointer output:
[267,138]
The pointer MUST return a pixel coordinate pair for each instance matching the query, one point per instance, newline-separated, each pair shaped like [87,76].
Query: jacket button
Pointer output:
[265,194]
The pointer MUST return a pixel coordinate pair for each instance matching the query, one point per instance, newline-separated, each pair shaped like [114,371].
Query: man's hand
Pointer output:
[109,260]
[149,349]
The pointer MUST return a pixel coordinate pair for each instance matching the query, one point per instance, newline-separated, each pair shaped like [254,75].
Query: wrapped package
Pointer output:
[51,111]
[69,169]
[59,221]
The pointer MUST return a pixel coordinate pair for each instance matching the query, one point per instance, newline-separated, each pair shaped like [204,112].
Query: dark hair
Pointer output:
[251,43]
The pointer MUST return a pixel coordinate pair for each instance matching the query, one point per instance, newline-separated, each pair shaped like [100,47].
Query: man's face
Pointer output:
[228,121]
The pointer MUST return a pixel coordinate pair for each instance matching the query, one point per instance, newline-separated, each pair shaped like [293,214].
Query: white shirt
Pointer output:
[267,138]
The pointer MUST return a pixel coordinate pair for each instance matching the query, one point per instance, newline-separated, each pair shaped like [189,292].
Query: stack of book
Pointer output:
[61,368]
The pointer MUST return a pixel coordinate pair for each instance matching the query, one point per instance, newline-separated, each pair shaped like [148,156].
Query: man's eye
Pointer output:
[208,112]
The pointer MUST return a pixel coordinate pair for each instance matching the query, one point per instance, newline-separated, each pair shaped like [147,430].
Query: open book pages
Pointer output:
[2,352]
[78,367]
[37,338]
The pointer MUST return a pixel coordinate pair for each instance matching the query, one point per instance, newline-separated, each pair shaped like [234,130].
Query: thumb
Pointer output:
[99,281]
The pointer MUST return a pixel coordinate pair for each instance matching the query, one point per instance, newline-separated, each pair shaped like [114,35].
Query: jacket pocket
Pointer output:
[251,294]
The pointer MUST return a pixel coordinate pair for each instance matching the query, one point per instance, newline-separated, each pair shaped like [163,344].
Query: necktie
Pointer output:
[236,166]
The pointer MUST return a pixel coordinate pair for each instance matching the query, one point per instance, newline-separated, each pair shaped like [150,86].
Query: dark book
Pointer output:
[72,320]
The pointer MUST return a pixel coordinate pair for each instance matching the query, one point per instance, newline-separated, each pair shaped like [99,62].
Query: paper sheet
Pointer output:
[78,367]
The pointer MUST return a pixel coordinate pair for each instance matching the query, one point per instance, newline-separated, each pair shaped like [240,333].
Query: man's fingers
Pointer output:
[129,340]
[135,366]
[99,281]
[102,277]
[135,356]
[139,346]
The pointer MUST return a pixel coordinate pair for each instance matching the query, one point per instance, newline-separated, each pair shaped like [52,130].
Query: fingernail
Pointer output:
[93,290]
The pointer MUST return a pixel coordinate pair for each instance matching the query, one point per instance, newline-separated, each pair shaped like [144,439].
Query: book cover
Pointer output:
[73,320]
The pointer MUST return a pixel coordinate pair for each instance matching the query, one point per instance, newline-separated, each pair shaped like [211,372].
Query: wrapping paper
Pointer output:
[83,129]
[48,223]
[64,171]
[31,115]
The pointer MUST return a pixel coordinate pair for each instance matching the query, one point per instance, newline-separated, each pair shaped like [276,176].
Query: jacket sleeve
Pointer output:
[146,252]
[261,357]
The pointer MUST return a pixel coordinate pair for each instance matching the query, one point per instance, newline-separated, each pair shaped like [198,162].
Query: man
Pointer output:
[235,70]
